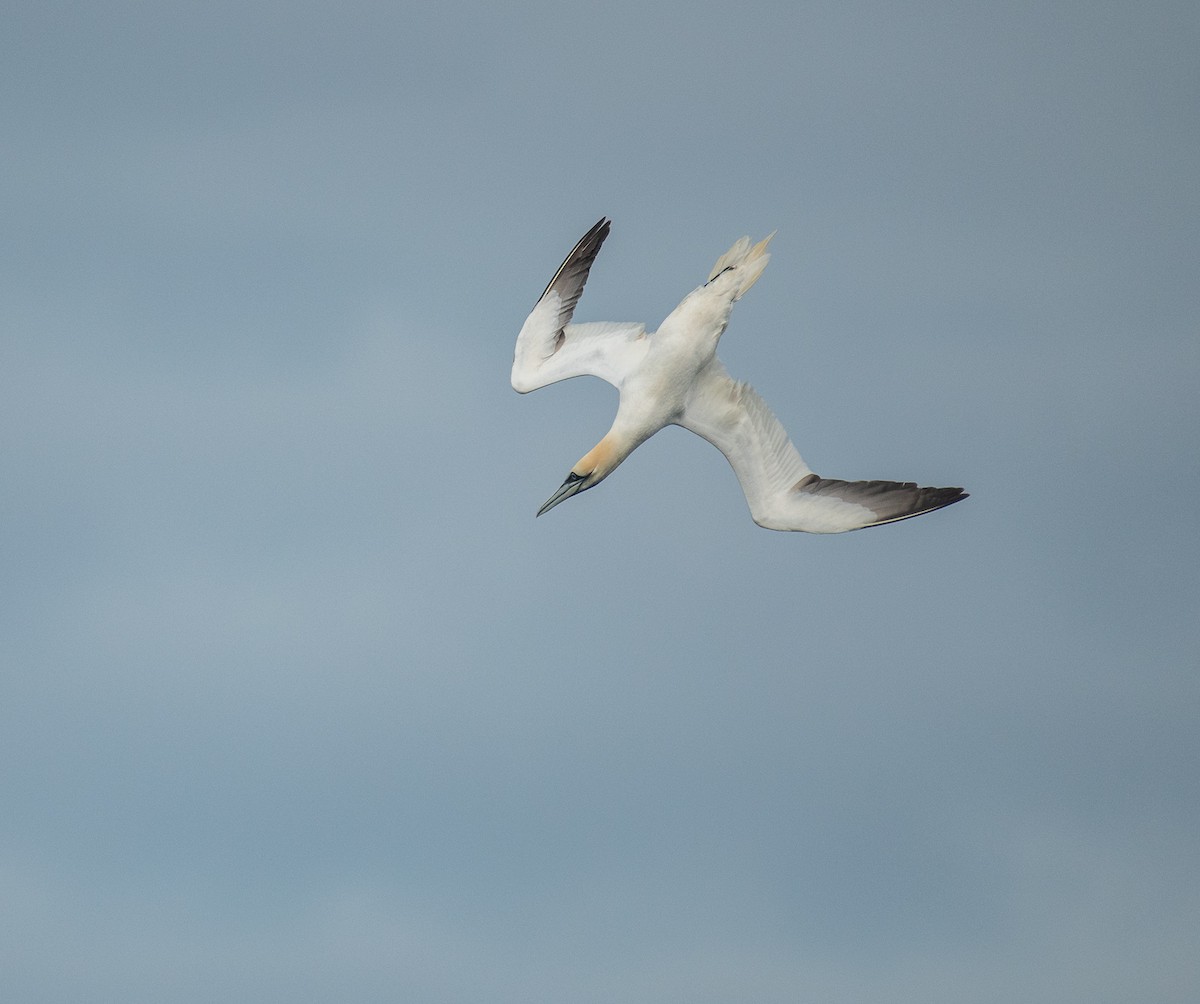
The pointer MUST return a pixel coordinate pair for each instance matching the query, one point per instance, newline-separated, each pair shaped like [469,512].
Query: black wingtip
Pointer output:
[933,499]
[599,232]
[579,262]
[891,501]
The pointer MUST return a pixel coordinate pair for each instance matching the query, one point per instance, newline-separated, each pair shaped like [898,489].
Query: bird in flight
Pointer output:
[673,377]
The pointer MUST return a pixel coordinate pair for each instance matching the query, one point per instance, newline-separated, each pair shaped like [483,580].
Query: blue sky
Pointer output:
[300,703]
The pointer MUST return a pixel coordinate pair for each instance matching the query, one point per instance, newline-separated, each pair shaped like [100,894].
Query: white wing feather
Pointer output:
[549,348]
[782,491]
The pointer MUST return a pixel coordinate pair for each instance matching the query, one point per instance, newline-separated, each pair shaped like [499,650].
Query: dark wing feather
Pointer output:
[888,500]
[569,280]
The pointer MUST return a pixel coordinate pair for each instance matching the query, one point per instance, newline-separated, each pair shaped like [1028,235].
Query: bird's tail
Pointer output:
[745,261]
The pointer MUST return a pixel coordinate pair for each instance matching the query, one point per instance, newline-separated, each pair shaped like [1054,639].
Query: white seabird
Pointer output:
[673,377]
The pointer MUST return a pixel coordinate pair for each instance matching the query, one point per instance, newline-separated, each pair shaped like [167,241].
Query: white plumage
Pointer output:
[673,377]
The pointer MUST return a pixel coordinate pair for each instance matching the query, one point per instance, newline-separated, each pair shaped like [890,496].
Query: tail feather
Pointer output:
[746,262]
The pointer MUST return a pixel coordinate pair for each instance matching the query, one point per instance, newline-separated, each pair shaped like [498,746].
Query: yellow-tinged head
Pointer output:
[597,464]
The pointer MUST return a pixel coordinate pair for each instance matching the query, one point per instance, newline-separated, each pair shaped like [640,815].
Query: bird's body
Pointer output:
[673,377]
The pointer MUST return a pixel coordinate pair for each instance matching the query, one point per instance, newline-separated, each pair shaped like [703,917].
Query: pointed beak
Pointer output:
[572,486]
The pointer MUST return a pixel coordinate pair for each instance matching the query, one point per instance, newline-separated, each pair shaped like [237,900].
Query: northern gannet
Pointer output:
[673,377]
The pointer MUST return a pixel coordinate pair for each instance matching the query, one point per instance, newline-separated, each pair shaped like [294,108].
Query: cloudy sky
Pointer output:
[298,702]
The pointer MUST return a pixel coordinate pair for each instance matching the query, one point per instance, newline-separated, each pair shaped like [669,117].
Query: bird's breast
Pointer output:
[655,395]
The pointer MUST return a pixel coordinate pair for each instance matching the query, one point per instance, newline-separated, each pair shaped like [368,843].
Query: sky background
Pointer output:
[298,702]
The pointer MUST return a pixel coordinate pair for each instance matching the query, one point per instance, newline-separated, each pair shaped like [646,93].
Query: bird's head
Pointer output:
[593,467]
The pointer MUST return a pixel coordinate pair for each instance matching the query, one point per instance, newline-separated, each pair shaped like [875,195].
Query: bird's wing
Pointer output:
[550,348]
[781,490]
